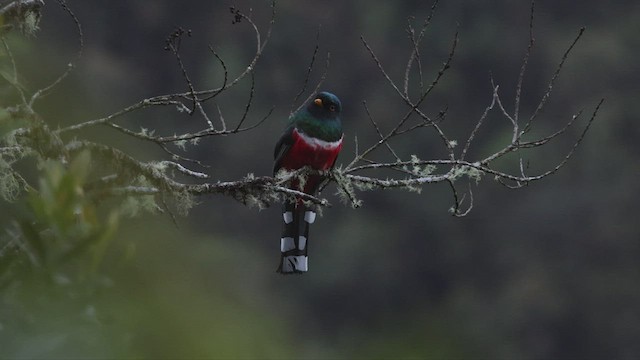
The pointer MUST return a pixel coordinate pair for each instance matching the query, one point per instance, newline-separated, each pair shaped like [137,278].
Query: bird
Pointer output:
[313,138]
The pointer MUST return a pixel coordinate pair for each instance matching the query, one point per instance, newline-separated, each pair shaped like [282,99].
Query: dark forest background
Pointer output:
[548,271]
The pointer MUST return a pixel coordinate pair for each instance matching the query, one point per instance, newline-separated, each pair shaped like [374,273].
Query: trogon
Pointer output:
[313,138]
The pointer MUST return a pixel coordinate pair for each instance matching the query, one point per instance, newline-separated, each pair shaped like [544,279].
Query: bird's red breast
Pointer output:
[308,151]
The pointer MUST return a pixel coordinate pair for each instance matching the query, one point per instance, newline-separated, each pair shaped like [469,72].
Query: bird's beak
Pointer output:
[318,101]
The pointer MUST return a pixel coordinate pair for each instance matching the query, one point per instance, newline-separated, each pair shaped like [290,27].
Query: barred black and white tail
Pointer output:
[295,238]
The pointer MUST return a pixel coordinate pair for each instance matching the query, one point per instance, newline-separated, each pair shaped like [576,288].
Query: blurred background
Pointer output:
[548,271]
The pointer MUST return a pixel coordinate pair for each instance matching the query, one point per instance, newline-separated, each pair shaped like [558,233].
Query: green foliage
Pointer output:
[50,257]
[58,225]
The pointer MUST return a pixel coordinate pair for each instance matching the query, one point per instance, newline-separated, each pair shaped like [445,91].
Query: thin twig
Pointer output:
[547,94]
[308,74]
[415,52]
[479,123]
[174,41]
[248,104]
[327,63]
[174,99]
[523,69]
[375,126]
[70,66]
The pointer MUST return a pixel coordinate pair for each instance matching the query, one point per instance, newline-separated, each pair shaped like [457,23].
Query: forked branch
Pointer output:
[174,177]
[415,172]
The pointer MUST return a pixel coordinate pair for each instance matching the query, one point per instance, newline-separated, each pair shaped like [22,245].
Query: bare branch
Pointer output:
[248,105]
[479,123]
[381,69]
[523,69]
[70,66]
[320,82]
[173,43]
[457,201]
[547,94]
[172,179]
[176,99]
[458,167]
[183,170]
[415,52]
[413,106]
[375,126]
[224,81]
[260,44]
[309,69]
[568,155]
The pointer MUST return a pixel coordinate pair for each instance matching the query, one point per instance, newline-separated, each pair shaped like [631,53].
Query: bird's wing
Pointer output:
[282,147]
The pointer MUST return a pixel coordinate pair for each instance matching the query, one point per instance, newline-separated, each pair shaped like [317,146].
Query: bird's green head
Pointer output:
[325,105]
[321,117]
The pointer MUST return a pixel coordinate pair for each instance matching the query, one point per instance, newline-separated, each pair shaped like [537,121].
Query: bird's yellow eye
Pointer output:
[332,108]
[318,101]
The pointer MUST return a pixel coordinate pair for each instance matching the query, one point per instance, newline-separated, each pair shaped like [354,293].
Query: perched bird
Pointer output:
[314,139]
